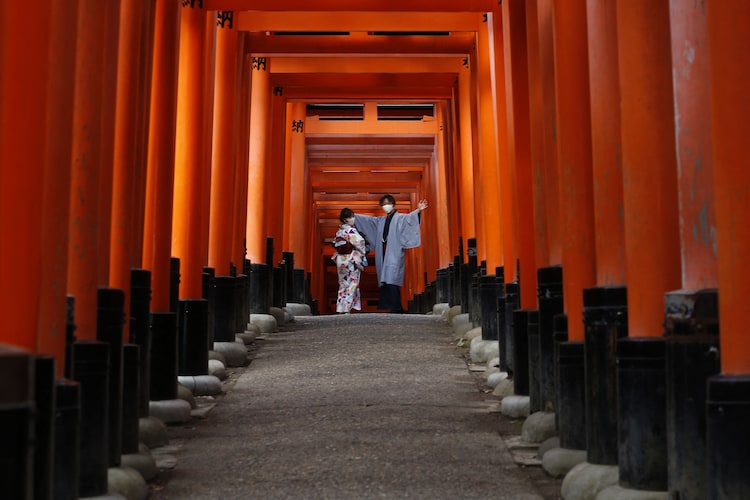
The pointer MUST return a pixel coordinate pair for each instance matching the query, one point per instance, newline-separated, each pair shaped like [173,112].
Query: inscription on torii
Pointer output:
[297,125]
[259,63]
[192,3]
[224,18]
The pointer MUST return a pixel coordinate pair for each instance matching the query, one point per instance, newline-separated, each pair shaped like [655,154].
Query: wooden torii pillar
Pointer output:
[574,158]
[259,167]
[229,53]
[519,147]
[157,227]
[190,153]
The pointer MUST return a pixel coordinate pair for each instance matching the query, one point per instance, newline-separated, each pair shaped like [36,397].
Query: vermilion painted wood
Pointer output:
[297,224]
[109,44]
[190,153]
[505,193]
[652,252]
[260,113]
[690,63]
[84,226]
[54,199]
[242,157]
[519,147]
[606,156]
[574,158]
[25,51]
[157,227]
[130,107]
[343,5]
[225,140]
[728,40]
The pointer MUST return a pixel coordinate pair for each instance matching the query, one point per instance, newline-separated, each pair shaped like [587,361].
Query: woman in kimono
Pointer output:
[350,260]
[392,233]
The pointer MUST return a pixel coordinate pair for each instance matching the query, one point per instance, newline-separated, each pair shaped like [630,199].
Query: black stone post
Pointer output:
[174,284]
[535,363]
[164,353]
[110,321]
[465,288]
[727,435]
[70,337]
[44,397]
[91,370]
[208,293]
[473,284]
[692,336]
[243,308]
[130,398]
[193,337]
[642,413]
[605,321]
[559,334]
[443,286]
[507,339]
[16,422]
[452,281]
[299,286]
[259,278]
[140,331]
[224,316]
[550,293]
[521,351]
[289,276]
[269,252]
[66,472]
[277,294]
[488,304]
[571,395]
[500,310]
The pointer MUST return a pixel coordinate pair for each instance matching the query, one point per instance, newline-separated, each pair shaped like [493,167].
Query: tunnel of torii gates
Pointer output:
[605,139]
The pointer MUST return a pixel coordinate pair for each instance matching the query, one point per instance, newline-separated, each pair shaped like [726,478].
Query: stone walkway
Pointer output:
[361,406]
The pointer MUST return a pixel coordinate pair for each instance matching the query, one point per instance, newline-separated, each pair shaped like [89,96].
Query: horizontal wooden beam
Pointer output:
[422,6]
[267,45]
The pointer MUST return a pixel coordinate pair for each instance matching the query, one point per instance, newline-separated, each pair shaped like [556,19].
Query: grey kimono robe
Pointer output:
[403,233]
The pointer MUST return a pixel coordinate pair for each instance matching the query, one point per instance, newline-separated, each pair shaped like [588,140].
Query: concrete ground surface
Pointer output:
[360,406]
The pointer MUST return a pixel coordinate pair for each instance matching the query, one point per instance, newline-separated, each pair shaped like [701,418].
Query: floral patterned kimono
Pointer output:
[349,268]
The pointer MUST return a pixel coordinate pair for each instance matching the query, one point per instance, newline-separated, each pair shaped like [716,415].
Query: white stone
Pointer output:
[460,319]
[152,432]
[496,377]
[278,313]
[452,313]
[217,369]
[461,330]
[212,354]
[474,333]
[186,395]
[296,309]
[505,388]
[441,309]
[170,411]
[251,328]
[515,406]
[266,323]
[143,462]
[235,354]
[126,481]
[494,362]
[481,350]
[586,480]
[201,385]
[559,461]
[538,427]
[247,337]
[619,493]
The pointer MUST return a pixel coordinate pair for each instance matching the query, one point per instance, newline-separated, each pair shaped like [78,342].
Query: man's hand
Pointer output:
[422,205]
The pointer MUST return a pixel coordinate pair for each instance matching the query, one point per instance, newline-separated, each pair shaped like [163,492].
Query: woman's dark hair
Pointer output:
[388,198]
[345,214]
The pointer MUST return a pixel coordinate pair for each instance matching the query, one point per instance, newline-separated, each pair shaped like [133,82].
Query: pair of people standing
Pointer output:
[392,235]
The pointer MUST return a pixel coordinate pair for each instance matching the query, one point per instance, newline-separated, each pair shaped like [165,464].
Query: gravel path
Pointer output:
[361,406]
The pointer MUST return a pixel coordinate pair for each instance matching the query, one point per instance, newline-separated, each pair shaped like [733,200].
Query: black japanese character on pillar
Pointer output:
[259,63]
[278,91]
[192,3]
[224,18]
[297,125]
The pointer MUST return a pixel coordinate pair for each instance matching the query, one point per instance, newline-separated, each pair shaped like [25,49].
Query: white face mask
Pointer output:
[350,221]
[388,208]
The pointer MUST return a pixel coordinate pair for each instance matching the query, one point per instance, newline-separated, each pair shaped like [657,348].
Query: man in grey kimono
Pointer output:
[390,235]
